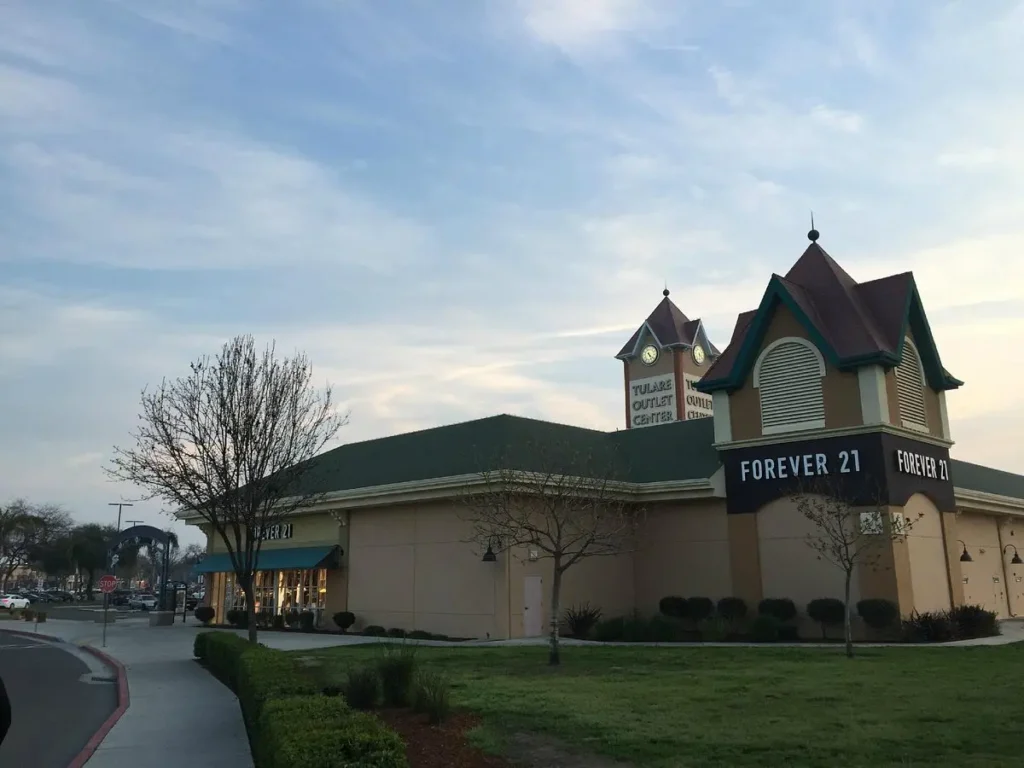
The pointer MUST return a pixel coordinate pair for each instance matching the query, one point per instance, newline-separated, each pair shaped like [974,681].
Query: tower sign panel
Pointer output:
[652,400]
[696,405]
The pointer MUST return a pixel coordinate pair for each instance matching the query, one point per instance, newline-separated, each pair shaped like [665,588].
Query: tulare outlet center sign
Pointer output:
[652,400]
[865,469]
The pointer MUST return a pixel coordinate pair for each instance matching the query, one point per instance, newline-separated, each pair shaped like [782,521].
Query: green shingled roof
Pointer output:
[987,480]
[680,450]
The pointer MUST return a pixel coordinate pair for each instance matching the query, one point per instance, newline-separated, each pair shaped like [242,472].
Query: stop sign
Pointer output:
[108,584]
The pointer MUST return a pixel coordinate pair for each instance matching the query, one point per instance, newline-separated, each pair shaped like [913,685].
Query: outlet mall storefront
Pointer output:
[828,388]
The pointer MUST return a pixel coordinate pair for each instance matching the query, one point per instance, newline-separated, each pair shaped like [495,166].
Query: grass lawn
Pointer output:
[737,707]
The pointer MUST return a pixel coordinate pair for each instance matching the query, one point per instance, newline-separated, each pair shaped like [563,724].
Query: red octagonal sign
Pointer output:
[108,584]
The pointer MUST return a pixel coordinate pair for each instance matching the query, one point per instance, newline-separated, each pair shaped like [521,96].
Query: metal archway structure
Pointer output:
[138,535]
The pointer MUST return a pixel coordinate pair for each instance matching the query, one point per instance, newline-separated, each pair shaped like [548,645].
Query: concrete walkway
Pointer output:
[179,714]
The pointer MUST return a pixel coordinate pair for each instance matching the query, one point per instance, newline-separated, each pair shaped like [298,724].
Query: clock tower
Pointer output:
[662,362]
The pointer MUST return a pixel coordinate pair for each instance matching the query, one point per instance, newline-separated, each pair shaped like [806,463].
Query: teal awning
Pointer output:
[276,560]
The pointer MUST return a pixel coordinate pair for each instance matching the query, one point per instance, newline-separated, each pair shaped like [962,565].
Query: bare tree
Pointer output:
[24,527]
[849,534]
[230,442]
[569,507]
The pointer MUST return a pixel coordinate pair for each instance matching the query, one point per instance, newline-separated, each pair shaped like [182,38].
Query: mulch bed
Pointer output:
[439,746]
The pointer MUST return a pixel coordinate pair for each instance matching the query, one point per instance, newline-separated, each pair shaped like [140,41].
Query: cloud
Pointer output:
[461,214]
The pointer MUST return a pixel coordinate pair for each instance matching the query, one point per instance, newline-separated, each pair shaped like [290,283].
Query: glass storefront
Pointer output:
[281,592]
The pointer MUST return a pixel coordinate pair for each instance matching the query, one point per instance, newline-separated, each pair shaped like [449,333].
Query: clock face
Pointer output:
[649,355]
[698,354]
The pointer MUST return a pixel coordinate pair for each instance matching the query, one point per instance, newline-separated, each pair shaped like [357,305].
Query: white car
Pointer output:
[142,602]
[10,602]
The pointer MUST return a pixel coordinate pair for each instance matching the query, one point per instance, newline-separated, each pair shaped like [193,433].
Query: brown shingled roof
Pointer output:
[853,323]
[670,327]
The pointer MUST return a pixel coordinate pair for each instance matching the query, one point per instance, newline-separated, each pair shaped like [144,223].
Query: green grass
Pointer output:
[739,707]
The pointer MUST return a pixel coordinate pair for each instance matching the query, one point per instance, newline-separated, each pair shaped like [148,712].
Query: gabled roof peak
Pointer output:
[669,326]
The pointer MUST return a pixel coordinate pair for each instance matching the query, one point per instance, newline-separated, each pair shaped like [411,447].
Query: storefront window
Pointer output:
[279,592]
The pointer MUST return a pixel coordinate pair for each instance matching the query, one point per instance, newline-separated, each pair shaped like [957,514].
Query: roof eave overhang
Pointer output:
[443,488]
[968,499]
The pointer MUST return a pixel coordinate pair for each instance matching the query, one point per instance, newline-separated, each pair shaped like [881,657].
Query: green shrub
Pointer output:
[396,667]
[277,622]
[878,613]
[29,614]
[238,617]
[673,606]
[699,608]
[355,740]
[659,629]
[714,630]
[362,688]
[732,609]
[375,630]
[581,620]
[199,645]
[307,621]
[291,618]
[204,613]
[320,732]
[972,621]
[929,627]
[344,620]
[828,612]
[610,630]
[782,608]
[264,674]
[419,634]
[396,632]
[222,653]
[431,695]
[765,629]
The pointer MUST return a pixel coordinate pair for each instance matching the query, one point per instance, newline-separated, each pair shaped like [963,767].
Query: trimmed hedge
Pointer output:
[276,692]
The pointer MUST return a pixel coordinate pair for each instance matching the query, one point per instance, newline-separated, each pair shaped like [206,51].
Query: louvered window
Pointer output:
[788,376]
[910,388]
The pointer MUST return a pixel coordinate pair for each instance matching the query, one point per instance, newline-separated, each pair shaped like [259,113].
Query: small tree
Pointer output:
[849,535]
[229,443]
[568,506]
[24,528]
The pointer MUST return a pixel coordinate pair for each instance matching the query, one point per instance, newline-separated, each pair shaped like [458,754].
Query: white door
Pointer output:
[533,606]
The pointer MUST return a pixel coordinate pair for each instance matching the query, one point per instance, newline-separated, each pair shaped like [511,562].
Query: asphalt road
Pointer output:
[54,713]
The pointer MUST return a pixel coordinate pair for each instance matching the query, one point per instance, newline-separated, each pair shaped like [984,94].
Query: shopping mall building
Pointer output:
[826,380]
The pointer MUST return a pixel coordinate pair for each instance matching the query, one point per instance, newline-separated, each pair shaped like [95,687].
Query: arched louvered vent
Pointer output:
[788,375]
[910,388]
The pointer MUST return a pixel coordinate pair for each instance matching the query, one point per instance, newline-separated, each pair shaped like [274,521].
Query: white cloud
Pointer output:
[841,120]
[581,25]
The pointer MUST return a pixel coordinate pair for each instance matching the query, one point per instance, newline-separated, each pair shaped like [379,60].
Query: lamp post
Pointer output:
[1015,560]
[119,505]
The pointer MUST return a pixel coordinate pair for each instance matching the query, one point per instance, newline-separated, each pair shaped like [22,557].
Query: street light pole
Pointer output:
[119,505]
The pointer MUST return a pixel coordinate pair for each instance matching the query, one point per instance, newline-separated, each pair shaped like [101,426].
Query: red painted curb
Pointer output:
[122,705]
[122,694]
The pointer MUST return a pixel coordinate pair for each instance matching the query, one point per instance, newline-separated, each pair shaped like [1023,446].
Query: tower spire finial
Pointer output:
[813,235]
[665,292]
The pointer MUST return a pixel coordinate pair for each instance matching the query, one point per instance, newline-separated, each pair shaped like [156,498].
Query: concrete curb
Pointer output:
[123,699]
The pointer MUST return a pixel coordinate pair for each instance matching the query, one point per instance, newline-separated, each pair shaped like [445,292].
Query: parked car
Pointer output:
[10,602]
[142,602]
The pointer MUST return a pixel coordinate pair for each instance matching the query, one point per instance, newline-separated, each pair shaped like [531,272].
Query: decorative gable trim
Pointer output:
[643,332]
[775,294]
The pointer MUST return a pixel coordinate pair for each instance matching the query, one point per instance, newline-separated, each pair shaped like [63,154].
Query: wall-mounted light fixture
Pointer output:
[965,556]
[489,556]
[1015,560]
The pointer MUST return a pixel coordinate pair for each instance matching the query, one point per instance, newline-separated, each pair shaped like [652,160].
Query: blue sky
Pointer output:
[464,208]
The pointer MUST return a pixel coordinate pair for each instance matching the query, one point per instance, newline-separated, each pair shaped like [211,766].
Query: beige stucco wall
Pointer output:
[789,567]
[683,549]
[927,554]
[840,390]
[410,567]
[1011,531]
[985,584]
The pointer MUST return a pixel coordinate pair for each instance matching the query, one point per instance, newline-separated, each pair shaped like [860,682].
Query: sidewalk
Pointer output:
[178,713]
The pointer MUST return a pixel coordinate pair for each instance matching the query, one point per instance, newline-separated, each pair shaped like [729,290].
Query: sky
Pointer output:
[465,208]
